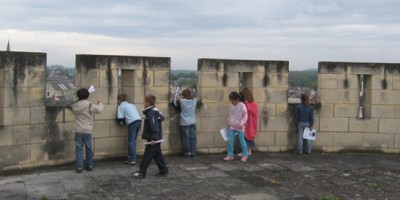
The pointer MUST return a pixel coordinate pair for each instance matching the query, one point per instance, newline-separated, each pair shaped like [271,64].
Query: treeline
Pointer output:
[307,78]
[187,74]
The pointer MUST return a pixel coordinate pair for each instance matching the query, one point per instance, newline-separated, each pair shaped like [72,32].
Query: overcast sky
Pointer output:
[300,31]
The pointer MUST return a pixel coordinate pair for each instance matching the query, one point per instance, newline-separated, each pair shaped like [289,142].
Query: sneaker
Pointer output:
[79,170]
[138,175]
[163,173]
[243,159]
[186,155]
[228,158]
[239,154]
[130,162]
[192,156]
[89,168]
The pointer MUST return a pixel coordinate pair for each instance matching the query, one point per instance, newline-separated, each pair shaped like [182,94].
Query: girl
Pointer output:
[251,124]
[304,118]
[237,121]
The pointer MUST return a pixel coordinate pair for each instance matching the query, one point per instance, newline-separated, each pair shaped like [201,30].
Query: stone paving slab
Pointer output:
[264,176]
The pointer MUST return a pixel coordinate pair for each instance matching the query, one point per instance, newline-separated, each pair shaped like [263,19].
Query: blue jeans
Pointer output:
[300,141]
[133,131]
[241,140]
[80,139]
[189,139]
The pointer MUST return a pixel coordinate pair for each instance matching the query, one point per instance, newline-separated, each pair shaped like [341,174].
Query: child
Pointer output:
[83,110]
[237,121]
[187,106]
[304,118]
[251,124]
[152,132]
[127,112]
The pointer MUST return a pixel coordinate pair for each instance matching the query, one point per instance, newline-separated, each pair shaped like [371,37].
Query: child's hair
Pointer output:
[122,97]
[305,99]
[247,95]
[151,99]
[234,96]
[82,94]
[187,94]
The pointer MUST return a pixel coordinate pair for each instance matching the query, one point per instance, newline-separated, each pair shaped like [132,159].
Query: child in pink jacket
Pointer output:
[237,121]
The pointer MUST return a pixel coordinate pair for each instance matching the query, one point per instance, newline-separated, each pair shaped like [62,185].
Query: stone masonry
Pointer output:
[33,134]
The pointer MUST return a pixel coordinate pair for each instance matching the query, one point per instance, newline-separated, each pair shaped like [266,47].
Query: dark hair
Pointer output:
[82,94]
[234,96]
[187,94]
[247,95]
[151,99]
[305,99]
[122,97]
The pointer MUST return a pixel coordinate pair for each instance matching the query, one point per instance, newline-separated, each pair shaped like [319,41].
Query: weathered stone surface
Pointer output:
[6,136]
[396,140]
[161,78]
[331,96]
[333,124]
[377,83]
[326,110]
[214,95]
[109,112]
[378,97]
[221,109]
[380,140]
[101,129]
[392,97]
[382,111]
[323,139]
[348,81]
[265,139]
[21,134]
[109,145]
[281,109]
[389,125]
[328,81]
[117,129]
[346,110]
[348,139]
[205,139]
[90,77]
[279,80]
[274,95]
[36,76]
[208,79]
[396,82]
[16,116]
[161,93]
[212,124]
[206,110]
[108,78]
[38,115]
[14,155]
[275,124]
[363,125]
[351,96]
[285,139]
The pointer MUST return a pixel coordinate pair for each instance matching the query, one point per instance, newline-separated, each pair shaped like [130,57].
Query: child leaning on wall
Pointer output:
[83,110]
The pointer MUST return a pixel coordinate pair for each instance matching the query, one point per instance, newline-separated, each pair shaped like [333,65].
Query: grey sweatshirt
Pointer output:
[188,111]
[83,111]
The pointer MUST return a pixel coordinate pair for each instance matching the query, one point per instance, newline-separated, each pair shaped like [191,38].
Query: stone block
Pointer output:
[257,80]
[333,124]
[331,96]
[90,77]
[38,115]
[326,110]
[16,116]
[348,139]
[351,81]
[78,77]
[389,125]
[397,112]
[363,125]
[396,82]
[108,78]
[161,78]
[366,68]
[205,139]
[328,81]
[351,97]
[281,109]
[219,141]
[221,109]
[67,130]
[22,79]
[285,139]
[346,110]
[279,80]
[21,134]
[214,95]
[275,95]
[275,124]
[138,95]
[261,95]
[266,110]
[101,94]
[109,145]
[377,83]
[265,139]
[232,81]
[212,124]
[6,135]
[379,140]
[69,116]
[36,77]
[161,93]
[378,97]
[207,110]
[397,140]
[392,97]
[128,78]
[323,139]
[38,153]
[13,155]
[109,112]
[40,133]
[208,79]
[9,99]
[117,129]
[138,79]
[382,111]
[101,129]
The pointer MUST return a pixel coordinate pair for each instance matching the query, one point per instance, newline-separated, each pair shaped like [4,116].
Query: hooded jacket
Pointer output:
[83,111]
[237,116]
[152,129]
[188,111]
[250,131]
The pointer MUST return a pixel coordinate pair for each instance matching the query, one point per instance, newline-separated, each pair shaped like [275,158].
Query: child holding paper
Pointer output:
[304,118]
[152,133]
[237,121]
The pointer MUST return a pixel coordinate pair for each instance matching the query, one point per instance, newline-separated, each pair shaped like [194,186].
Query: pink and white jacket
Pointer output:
[237,116]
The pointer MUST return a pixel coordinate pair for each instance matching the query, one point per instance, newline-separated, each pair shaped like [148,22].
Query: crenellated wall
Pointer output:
[358,108]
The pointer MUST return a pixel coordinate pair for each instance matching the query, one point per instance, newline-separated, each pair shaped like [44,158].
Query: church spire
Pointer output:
[8,45]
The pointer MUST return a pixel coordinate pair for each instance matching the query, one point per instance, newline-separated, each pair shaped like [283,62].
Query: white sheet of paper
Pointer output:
[225,133]
[158,141]
[91,89]
[309,134]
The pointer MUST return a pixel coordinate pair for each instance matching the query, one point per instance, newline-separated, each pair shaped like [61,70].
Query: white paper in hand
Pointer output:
[309,134]
[91,89]
[225,133]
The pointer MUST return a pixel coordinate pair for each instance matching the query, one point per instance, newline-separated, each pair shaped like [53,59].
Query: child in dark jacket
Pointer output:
[152,132]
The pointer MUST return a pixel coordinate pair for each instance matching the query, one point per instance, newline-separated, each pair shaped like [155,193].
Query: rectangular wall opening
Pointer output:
[245,80]
[365,96]
[126,83]
[60,86]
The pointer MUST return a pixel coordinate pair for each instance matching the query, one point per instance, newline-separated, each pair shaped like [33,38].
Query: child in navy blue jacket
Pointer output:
[152,132]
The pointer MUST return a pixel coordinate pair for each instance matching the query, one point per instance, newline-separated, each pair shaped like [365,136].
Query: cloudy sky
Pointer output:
[300,31]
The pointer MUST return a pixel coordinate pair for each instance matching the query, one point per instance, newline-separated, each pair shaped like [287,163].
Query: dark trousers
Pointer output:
[189,139]
[150,152]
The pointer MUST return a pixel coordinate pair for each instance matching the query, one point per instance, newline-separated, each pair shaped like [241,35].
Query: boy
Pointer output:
[187,106]
[152,132]
[83,110]
[127,112]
